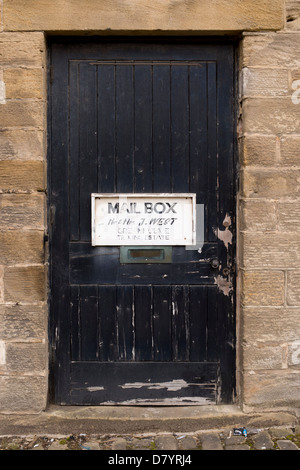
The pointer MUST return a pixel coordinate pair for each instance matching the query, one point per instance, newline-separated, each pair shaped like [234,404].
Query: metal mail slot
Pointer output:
[145,254]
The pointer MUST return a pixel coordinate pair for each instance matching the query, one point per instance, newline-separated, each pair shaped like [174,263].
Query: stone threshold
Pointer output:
[63,420]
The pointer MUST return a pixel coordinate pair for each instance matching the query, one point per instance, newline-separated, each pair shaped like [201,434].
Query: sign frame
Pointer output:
[166,200]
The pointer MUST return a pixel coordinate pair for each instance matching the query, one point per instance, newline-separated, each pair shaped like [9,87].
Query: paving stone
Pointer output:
[211,442]
[90,445]
[287,445]
[237,447]
[56,445]
[262,441]
[119,444]
[234,440]
[188,443]
[280,433]
[167,442]
[142,444]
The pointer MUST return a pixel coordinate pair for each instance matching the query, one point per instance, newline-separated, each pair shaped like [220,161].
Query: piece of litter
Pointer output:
[181,437]
[240,432]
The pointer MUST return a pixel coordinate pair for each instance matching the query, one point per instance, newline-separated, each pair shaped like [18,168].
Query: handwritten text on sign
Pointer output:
[143,219]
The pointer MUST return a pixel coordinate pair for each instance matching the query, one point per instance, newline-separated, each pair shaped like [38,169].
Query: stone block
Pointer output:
[293,290]
[271,116]
[265,82]
[1,284]
[140,15]
[22,144]
[25,49]
[23,211]
[17,392]
[24,83]
[21,113]
[270,326]
[260,150]
[22,176]
[288,215]
[26,358]
[19,247]
[293,15]
[271,388]
[293,354]
[24,284]
[271,183]
[23,322]
[260,356]
[270,250]
[273,50]
[290,150]
[257,215]
[263,288]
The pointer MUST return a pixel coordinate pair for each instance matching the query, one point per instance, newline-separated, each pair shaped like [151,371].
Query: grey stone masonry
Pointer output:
[281,438]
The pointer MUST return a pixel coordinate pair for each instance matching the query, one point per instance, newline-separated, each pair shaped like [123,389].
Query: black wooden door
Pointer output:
[141,117]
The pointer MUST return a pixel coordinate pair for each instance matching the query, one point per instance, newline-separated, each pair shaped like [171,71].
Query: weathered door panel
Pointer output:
[141,118]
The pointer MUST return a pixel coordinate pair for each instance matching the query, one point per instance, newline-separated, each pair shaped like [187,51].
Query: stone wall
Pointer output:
[269,216]
[268,295]
[23,291]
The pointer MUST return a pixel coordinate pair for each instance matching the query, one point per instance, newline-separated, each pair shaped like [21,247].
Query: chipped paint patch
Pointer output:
[225,235]
[174,385]
[166,401]
[224,285]
[95,389]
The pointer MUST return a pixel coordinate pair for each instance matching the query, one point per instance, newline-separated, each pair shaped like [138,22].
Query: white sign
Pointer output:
[143,219]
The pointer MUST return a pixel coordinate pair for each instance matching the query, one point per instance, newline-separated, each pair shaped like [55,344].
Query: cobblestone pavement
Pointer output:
[277,438]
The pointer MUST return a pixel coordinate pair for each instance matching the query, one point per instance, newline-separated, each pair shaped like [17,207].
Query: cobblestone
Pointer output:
[257,439]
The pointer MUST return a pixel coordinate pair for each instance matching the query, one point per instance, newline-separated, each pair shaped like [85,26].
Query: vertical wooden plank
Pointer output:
[89,323]
[161,128]
[213,188]
[124,127]
[88,146]
[225,131]
[75,323]
[198,136]
[125,323]
[180,151]
[198,131]
[107,322]
[180,323]
[143,309]
[162,336]
[74,195]
[213,325]
[59,228]
[106,129]
[143,129]
[198,323]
